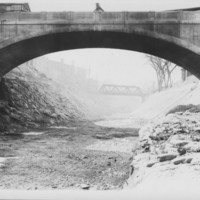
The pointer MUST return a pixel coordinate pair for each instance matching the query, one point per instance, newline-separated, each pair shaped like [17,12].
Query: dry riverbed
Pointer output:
[82,156]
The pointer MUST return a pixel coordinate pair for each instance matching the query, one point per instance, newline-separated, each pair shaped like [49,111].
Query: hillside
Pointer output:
[30,100]
[75,155]
[167,155]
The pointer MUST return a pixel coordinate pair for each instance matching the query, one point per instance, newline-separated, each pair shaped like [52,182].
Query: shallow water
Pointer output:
[67,158]
[33,133]
[63,127]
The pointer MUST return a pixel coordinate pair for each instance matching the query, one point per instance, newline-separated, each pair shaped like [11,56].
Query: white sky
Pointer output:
[108,5]
[110,66]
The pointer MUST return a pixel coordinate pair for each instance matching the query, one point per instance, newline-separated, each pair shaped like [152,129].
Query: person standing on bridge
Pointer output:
[98,8]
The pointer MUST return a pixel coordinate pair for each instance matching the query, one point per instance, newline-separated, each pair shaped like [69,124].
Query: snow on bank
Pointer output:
[168,156]
[167,160]
[157,105]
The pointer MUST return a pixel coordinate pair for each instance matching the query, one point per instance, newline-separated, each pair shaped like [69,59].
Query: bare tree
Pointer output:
[163,70]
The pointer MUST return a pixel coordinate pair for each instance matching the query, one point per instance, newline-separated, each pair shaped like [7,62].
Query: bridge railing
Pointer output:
[190,16]
[101,17]
[166,15]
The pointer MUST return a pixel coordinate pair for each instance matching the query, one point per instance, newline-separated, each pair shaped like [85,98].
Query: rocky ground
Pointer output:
[77,154]
[82,156]
[168,151]
[28,99]
[46,141]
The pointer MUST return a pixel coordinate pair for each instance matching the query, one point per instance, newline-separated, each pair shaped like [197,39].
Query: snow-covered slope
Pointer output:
[160,103]
[157,105]
[167,155]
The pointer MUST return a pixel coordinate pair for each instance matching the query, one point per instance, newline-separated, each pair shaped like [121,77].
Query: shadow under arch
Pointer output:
[169,48]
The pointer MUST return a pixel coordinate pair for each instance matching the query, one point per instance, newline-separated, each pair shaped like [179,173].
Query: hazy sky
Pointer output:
[110,66]
[108,5]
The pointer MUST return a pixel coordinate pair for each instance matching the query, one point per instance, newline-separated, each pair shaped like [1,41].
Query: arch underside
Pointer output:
[25,50]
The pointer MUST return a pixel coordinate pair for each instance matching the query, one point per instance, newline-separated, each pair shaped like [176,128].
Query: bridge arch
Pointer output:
[22,49]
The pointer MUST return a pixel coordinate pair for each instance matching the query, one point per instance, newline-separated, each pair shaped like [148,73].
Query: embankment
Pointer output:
[167,156]
[28,99]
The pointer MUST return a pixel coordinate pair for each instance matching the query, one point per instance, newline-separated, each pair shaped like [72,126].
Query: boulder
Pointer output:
[196,138]
[151,164]
[192,147]
[85,186]
[181,151]
[167,157]
[189,160]
[180,161]
[159,137]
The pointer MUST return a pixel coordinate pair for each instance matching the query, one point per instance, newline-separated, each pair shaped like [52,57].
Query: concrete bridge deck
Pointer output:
[172,35]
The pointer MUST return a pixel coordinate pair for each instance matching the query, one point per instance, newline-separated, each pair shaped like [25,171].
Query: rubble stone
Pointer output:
[151,164]
[164,158]
[174,138]
[180,161]
[35,102]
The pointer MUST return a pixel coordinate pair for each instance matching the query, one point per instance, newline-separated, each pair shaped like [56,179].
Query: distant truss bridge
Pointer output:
[120,90]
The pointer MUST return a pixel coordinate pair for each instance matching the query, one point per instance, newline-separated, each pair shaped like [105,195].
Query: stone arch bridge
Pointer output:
[172,35]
